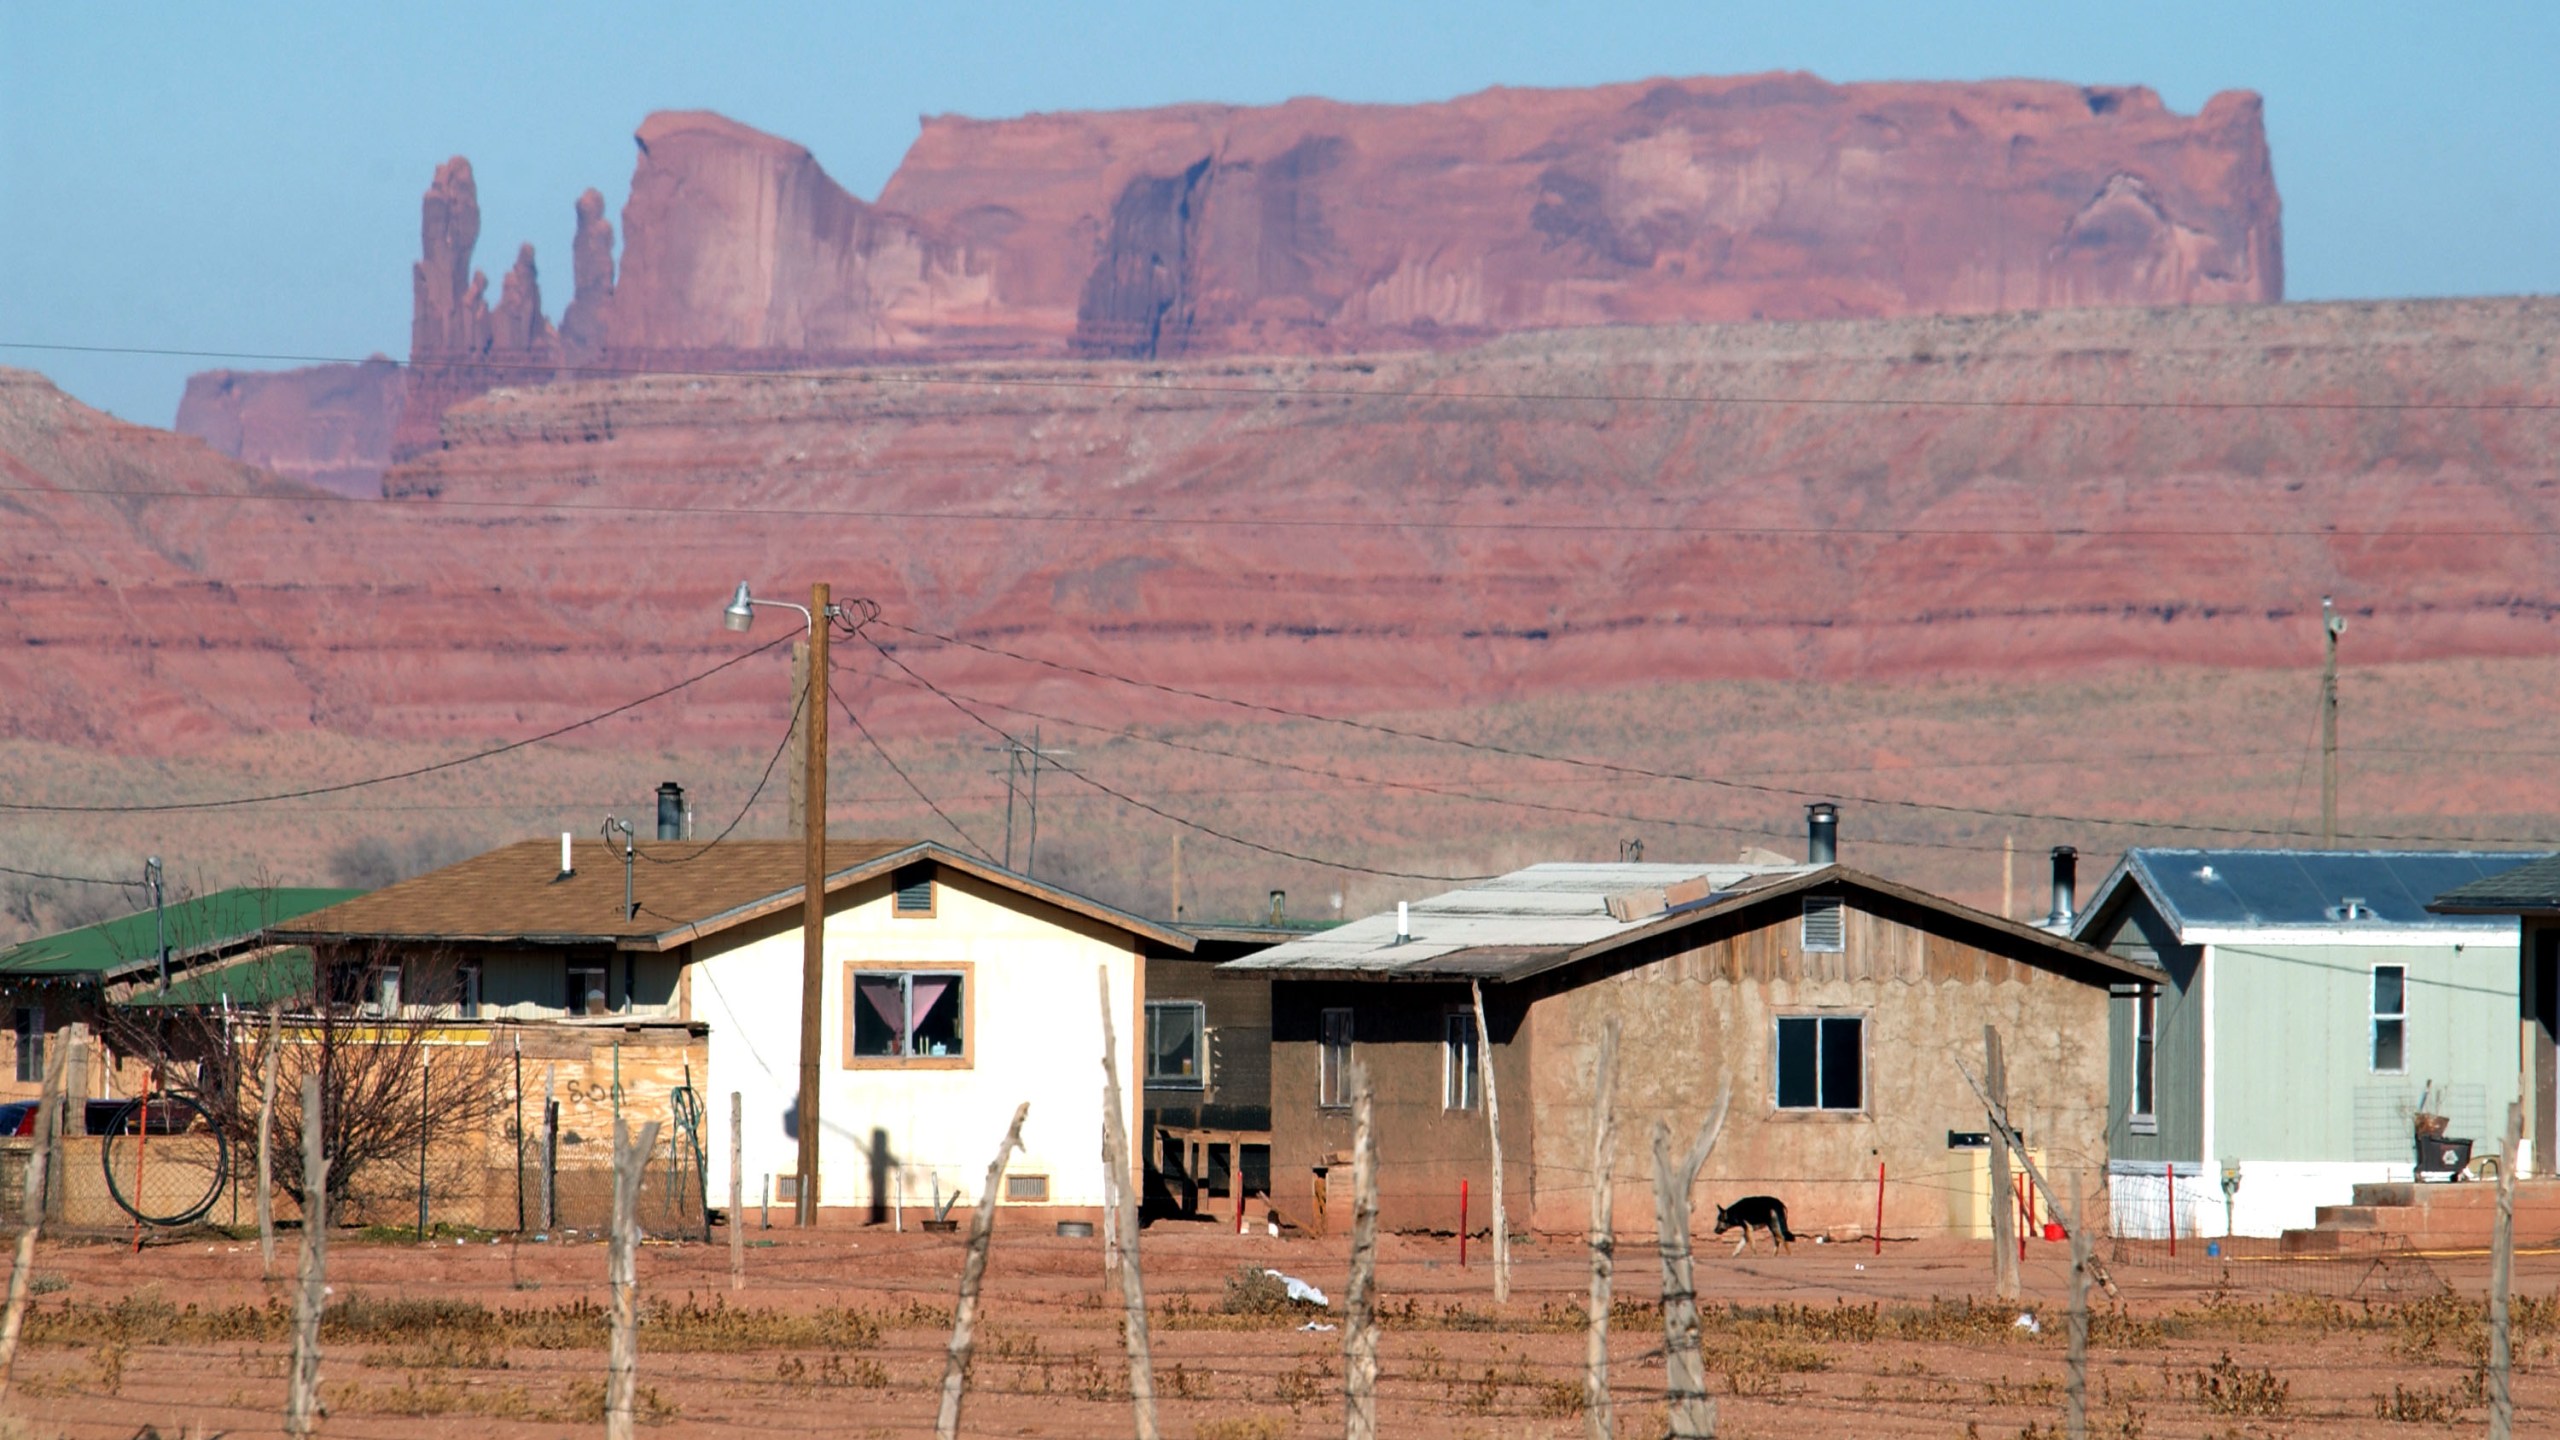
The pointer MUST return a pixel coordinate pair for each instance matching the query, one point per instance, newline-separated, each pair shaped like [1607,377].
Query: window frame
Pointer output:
[1333,1058]
[2376,1017]
[1199,1028]
[1461,1063]
[966,972]
[28,1026]
[573,998]
[1822,1021]
[2142,1114]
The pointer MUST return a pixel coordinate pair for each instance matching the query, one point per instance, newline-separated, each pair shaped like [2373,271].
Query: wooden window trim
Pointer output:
[932,899]
[967,970]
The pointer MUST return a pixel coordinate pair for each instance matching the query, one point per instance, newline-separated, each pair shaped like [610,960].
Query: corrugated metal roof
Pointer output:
[2303,890]
[279,973]
[201,926]
[1543,909]
[2531,888]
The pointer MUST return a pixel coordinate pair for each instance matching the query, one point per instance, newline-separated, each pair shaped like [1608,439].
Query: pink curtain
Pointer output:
[883,998]
[926,990]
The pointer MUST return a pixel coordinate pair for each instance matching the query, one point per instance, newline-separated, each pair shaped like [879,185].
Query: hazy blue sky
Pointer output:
[246,177]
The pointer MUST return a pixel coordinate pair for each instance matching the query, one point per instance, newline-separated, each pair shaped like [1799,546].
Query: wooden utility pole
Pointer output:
[737,1192]
[266,1144]
[1124,1225]
[973,1271]
[1493,1128]
[2502,1267]
[622,1265]
[31,1219]
[1360,1302]
[1597,1423]
[1691,1412]
[2332,625]
[2004,1205]
[302,1380]
[813,907]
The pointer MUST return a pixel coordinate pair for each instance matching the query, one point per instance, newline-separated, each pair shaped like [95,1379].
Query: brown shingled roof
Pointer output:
[685,889]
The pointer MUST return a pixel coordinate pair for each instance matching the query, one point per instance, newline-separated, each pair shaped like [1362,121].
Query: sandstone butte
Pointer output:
[1315,227]
[1411,530]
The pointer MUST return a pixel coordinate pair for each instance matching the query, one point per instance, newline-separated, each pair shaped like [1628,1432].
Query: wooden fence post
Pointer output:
[1692,1412]
[550,1157]
[1493,1123]
[622,1361]
[1124,1224]
[266,1143]
[737,1192]
[1604,1160]
[31,1219]
[302,1385]
[1360,1303]
[2502,1266]
[2004,1216]
[973,1269]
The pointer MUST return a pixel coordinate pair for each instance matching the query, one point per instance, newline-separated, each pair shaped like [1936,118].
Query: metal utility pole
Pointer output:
[1022,781]
[2332,625]
[159,916]
[813,911]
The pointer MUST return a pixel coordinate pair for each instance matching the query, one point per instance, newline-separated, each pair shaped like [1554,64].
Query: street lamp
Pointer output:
[740,614]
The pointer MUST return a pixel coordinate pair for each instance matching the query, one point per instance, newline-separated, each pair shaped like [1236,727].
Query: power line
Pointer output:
[799,707]
[895,769]
[1642,771]
[28,807]
[1153,382]
[69,879]
[429,508]
[1161,813]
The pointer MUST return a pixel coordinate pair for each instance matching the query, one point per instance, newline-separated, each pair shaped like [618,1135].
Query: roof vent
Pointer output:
[670,810]
[1823,932]
[568,863]
[1279,908]
[2066,886]
[2352,908]
[1822,834]
[1404,923]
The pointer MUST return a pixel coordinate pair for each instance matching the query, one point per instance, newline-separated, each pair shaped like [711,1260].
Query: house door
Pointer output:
[2542,1034]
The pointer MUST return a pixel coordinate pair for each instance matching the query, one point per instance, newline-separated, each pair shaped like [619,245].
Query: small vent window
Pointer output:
[1027,1189]
[915,893]
[1822,930]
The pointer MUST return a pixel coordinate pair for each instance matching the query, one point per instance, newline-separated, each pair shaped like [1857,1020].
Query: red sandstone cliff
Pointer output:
[1318,227]
[329,425]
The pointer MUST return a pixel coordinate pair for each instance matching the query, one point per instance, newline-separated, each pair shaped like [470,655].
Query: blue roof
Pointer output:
[2307,889]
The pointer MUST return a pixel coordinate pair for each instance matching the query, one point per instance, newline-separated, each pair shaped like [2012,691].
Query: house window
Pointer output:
[2146,1053]
[1333,1059]
[914,893]
[587,994]
[2390,1018]
[466,990]
[382,992]
[1822,930]
[1458,1074]
[908,1014]
[1821,1062]
[31,1044]
[1177,1057]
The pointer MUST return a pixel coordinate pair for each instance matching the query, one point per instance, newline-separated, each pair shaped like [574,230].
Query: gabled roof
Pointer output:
[205,925]
[2209,895]
[684,890]
[1531,921]
[2531,888]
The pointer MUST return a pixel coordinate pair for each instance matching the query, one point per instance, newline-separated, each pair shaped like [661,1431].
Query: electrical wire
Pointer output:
[1643,771]
[1153,382]
[799,706]
[164,807]
[1156,810]
[895,769]
[70,879]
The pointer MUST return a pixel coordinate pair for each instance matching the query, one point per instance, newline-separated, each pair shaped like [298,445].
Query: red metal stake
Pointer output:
[1879,1204]
[1235,1182]
[2172,1167]
[2026,1216]
[1462,1224]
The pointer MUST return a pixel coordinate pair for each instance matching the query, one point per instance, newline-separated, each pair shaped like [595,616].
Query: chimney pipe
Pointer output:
[1822,834]
[568,866]
[670,810]
[1279,907]
[2066,885]
[1404,923]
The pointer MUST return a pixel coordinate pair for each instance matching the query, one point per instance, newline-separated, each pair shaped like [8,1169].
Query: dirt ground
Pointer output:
[843,1332]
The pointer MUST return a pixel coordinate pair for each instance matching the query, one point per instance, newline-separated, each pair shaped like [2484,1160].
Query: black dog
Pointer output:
[1765,1212]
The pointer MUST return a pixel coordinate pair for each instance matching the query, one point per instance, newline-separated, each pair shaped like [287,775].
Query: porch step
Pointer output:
[2351,1217]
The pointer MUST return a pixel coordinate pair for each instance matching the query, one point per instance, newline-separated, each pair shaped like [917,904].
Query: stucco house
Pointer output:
[2307,1004]
[1838,1004]
[954,990]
